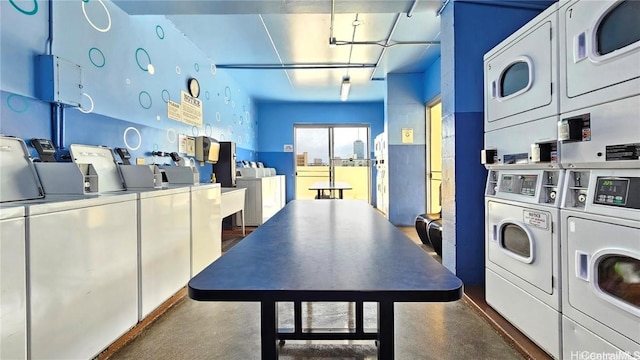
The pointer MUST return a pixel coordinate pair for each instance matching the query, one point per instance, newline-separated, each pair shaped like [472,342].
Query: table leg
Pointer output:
[319,195]
[242,216]
[386,336]
[269,329]
[340,191]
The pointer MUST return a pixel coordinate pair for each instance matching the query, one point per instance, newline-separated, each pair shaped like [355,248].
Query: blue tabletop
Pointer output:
[334,250]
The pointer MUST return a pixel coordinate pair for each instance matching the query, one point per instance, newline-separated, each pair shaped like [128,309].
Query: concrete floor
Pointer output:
[231,330]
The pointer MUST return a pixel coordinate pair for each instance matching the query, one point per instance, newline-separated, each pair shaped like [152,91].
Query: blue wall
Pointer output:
[432,78]
[405,108]
[119,90]
[463,124]
[277,119]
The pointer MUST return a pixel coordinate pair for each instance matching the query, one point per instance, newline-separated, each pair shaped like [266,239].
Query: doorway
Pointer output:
[434,156]
[332,153]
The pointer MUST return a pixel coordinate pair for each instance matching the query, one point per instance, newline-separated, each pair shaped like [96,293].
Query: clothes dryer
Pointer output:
[521,74]
[601,255]
[522,252]
[600,52]
[602,136]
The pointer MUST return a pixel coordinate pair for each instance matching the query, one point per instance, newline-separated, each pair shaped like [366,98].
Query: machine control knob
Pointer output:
[582,198]
[552,195]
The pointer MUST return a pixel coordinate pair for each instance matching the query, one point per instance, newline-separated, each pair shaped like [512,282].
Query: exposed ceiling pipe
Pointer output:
[412,8]
[384,49]
[332,40]
[295,66]
[379,43]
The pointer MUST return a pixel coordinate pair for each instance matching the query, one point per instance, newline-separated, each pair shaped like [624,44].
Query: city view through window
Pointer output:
[332,154]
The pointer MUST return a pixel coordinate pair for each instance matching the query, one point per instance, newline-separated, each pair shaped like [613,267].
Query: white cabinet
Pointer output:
[206,226]
[263,199]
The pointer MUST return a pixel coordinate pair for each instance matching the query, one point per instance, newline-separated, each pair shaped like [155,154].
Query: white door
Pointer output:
[519,75]
[520,240]
[600,44]
[603,272]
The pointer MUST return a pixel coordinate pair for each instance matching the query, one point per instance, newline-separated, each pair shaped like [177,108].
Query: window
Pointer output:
[516,240]
[515,78]
[619,277]
[619,27]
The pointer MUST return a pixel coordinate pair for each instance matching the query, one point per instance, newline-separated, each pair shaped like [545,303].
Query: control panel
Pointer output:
[531,186]
[518,184]
[613,191]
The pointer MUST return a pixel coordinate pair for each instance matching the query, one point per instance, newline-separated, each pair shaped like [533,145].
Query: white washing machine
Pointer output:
[83,275]
[82,261]
[522,252]
[601,255]
[600,52]
[206,226]
[17,183]
[521,74]
[163,220]
[13,283]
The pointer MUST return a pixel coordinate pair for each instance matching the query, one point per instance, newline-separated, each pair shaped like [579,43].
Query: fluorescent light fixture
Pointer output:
[344,88]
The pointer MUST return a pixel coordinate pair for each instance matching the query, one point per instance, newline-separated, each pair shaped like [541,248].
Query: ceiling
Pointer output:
[280,50]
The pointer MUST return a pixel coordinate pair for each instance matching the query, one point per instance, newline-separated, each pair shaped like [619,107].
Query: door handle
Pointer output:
[582,266]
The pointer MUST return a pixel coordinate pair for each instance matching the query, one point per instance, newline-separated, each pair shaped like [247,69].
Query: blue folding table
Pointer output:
[334,250]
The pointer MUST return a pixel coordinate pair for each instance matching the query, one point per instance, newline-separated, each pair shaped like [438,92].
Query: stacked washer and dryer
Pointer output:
[599,133]
[524,185]
[562,146]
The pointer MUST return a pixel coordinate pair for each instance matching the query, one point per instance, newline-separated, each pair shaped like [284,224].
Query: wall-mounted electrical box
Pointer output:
[58,80]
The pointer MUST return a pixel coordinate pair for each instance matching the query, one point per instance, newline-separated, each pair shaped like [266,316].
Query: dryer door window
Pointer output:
[619,28]
[515,240]
[618,276]
[515,79]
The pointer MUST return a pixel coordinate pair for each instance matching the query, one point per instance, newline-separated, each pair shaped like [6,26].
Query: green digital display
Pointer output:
[610,191]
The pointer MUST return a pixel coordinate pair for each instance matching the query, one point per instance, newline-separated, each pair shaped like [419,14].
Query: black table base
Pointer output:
[273,337]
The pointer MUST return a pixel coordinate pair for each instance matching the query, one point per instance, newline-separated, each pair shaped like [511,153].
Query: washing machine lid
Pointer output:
[104,163]
[19,180]
[11,211]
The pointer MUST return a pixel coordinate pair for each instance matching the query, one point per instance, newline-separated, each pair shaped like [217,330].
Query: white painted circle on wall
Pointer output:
[171,135]
[126,143]
[84,11]
[90,107]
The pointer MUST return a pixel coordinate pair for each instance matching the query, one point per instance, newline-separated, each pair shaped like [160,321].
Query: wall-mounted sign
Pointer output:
[173,111]
[288,148]
[191,109]
[407,135]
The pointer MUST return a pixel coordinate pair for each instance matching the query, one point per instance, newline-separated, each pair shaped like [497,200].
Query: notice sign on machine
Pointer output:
[191,109]
[537,219]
